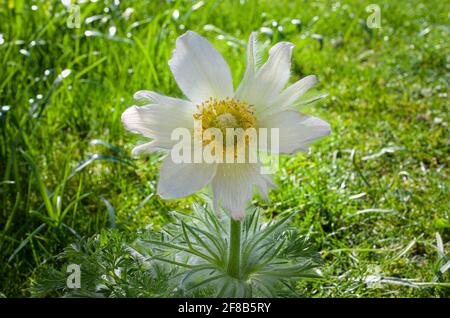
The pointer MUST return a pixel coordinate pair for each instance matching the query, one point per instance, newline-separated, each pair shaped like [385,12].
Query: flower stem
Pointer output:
[235,248]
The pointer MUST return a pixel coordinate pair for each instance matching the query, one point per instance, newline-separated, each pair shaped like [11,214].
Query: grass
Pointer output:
[372,195]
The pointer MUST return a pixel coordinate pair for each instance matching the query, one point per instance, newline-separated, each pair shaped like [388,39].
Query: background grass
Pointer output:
[372,195]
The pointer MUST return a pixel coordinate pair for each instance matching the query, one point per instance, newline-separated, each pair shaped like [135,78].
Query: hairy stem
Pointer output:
[235,248]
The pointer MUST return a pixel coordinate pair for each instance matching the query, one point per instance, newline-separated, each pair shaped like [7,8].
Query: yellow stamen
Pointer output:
[223,114]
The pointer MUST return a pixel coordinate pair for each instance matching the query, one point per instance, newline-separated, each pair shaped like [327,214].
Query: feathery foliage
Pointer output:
[188,257]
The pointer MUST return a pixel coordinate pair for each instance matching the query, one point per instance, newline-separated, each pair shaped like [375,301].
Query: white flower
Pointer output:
[205,79]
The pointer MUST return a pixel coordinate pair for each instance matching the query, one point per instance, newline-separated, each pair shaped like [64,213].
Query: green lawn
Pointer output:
[371,196]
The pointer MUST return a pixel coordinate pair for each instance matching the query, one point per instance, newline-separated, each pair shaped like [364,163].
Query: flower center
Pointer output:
[225,113]
[221,115]
[226,120]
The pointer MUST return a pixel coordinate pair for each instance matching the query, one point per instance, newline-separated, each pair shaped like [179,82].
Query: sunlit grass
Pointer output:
[371,196]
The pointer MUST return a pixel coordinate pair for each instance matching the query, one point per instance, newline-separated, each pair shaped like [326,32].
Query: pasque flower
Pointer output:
[260,100]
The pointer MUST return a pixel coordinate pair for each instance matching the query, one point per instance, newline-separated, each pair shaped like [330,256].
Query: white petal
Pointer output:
[150,97]
[233,186]
[264,86]
[155,145]
[290,95]
[182,179]
[200,71]
[254,56]
[296,130]
[159,119]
